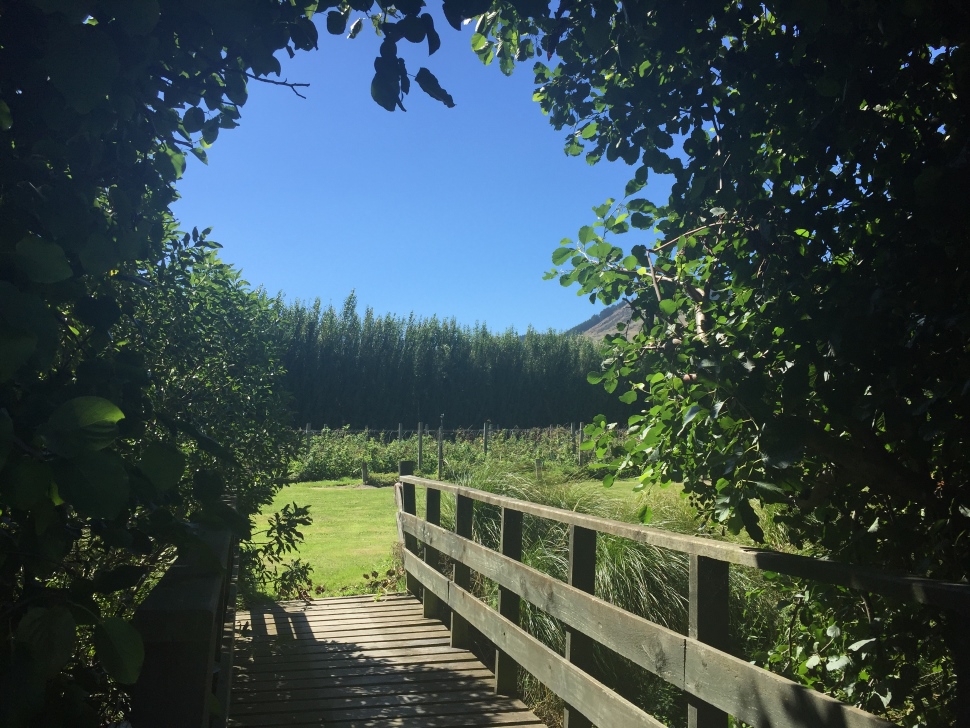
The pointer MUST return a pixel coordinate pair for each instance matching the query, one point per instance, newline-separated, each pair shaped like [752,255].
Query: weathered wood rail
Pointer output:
[187,625]
[717,684]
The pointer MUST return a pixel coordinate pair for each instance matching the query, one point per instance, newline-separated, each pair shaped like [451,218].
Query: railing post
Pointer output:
[406,467]
[433,607]
[507,669]
[441,452]
[464,520]
[579,447]
[420,446]
[709,592]
[582,575]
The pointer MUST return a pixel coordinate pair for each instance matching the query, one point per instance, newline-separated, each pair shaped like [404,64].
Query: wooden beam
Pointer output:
[653,647]
[708,623]
[579,646]
[603,706]
[464,525]
[506,668]
[950,595]
[433,609]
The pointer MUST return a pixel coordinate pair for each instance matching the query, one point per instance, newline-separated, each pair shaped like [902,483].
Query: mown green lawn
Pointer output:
[353,531]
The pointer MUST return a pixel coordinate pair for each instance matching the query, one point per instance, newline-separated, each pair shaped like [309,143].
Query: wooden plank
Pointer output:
[592,698]
[951,595]
[339,660]
[759,697]
[350,672]
[506,668]
[708,623]
[445,691]
[461,635]
[456,716]
[579,646]
[330,630]
[432,606]
[349,685]
[655,648]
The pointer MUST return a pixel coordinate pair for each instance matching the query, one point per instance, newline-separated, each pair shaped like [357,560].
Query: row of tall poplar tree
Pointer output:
[378,371]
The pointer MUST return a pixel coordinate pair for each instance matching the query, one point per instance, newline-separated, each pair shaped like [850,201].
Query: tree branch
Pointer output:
[291,86]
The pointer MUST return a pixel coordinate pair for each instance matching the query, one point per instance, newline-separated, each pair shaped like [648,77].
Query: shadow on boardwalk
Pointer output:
[354,662]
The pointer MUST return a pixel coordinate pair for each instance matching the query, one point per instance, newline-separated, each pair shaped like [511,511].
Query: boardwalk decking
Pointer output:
[354,662]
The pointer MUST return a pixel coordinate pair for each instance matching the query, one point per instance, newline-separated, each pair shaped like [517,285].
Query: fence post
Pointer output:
[420,446]
[579,449]
[464,520]
[507,669]
[441,457]
[709,592]
[582,575]
[363,473]
[433,608]
[406,467]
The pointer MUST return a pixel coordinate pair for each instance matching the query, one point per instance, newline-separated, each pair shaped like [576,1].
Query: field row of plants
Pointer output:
[339,453]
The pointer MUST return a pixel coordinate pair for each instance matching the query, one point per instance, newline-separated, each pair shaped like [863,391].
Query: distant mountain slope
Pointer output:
[604,323]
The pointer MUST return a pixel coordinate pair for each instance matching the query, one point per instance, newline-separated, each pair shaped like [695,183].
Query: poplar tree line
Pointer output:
[377,371]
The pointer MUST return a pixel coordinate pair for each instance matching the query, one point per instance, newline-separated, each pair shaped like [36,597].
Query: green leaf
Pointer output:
[838,663]
[668,306]
[28,483]
[50,634]
[336,22]
[83,423]
[629,397]
[163,465]
[691,413]
[121,577]
[479,42]
[6,437]
[6,119]
[83,64]
[177,160]
[561,255]
[355,29]
[41,261]
[856,646]
[429,84]
[589,131]
[602,210]
[94,483]
[193,119]
[120,649]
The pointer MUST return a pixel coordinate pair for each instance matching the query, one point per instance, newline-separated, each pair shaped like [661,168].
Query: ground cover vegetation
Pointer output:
[377,371]
[340,453]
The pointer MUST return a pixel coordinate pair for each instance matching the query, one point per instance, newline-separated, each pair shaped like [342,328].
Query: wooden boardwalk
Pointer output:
[353,662]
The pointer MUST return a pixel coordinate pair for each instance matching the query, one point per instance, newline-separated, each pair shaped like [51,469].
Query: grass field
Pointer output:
[354,529]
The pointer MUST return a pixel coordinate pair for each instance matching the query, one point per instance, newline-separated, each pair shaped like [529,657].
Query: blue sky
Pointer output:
[453,212]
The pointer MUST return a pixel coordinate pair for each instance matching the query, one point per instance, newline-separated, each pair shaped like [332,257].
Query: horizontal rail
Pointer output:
[739,688]
[951,595]
[594,699]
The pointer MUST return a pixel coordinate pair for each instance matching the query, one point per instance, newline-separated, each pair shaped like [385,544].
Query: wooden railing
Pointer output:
[187,625]
[717,683]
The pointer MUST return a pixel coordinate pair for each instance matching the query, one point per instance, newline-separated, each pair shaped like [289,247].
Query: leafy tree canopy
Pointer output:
[804,289]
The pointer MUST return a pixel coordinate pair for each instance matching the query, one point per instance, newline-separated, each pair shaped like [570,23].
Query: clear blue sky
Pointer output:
[453,212]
